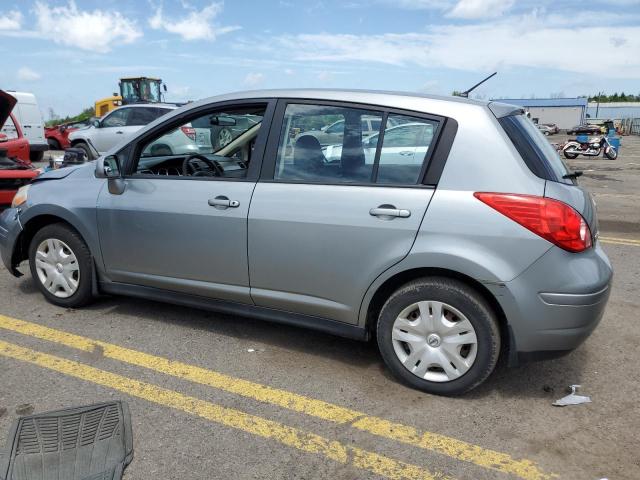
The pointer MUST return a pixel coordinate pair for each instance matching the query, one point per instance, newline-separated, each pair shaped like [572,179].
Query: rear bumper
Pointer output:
[556,303]
[10,229]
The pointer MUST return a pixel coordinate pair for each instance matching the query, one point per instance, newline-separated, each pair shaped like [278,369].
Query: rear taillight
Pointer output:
[189,132]
[551,219]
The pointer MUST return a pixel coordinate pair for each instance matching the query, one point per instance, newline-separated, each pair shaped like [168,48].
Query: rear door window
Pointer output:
[404,148]
[536,151]
[394,154]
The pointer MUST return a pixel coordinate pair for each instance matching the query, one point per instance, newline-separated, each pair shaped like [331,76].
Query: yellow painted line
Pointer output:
[620,241]
[292,437]
[442,444]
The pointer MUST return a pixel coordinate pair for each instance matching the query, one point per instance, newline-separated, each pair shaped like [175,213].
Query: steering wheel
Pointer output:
[189,169]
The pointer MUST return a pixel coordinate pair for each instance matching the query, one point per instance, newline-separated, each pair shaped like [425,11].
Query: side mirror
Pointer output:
[3,138]
[96,123]
[109,168]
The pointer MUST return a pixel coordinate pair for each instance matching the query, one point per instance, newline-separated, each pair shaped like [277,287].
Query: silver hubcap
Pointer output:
[434,341]
[224,138]
[57,268]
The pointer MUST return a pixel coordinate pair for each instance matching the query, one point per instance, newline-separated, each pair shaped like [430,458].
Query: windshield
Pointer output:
[140,90]
[539,155]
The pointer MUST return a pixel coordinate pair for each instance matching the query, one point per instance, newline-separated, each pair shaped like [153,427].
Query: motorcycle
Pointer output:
[593,147]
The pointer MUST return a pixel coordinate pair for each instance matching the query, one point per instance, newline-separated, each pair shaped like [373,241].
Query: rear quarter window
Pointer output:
[536,151]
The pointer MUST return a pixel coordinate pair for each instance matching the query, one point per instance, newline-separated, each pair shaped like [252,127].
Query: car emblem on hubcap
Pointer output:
[433,340]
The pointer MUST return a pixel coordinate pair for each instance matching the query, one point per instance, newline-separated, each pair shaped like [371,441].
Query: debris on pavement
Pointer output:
[572,398]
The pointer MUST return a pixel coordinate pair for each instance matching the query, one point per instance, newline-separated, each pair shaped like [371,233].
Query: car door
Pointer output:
[320,232]
[176,230]
[113,129]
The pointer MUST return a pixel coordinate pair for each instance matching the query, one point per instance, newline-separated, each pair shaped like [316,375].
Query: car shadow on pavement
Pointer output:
[278,335]
[544,379]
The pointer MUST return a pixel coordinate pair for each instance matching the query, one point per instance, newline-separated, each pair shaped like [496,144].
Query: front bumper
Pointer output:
[554,305]
[10,229]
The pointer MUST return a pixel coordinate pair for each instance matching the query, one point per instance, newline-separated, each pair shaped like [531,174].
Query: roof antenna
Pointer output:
[466,93]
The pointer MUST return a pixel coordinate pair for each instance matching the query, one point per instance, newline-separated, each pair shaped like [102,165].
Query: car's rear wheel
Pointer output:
[60,264]
[439,335]
[36,156]
[53,144]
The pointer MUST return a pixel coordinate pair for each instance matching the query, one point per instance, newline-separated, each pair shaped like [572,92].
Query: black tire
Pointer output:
[36,156]
[611,153]
[87,150]
[569,156]
[83,295]
[461,297]
[53,144]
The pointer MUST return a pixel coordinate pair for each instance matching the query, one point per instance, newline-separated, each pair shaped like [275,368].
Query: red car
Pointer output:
[58,136]
[15,168]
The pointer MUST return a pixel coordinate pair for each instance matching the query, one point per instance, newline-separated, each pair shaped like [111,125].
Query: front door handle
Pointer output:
[119,132]
[222,203]
[389,211]
[406,153]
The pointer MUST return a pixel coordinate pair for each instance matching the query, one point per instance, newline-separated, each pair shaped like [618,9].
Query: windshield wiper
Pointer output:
[573,175]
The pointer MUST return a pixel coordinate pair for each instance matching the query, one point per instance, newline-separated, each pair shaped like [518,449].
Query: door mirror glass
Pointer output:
[96,123]
[111,167]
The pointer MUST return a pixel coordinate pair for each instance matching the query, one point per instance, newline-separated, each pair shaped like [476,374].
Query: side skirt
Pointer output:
[262,313]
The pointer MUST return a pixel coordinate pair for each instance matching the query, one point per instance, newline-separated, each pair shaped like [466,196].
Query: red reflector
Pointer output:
[189,132]
[551,219]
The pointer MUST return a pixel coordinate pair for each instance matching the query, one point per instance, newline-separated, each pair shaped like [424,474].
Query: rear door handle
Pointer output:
[221,202]
[406,153]
[384,211]
[119,132]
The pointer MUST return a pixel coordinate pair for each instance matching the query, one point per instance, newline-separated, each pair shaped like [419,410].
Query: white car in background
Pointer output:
[404,144]
[120,124]
[27,112]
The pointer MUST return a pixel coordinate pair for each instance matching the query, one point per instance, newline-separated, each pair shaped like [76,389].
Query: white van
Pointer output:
[28,114]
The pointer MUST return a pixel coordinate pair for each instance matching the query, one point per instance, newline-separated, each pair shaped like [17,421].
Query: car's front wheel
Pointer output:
[87,150]
[439,335]
[60,264]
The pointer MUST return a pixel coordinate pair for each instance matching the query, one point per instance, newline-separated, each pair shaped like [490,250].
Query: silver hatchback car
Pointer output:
[453,245]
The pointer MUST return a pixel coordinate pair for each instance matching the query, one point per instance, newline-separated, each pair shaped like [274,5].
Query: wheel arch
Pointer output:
[384,290]
[37,221]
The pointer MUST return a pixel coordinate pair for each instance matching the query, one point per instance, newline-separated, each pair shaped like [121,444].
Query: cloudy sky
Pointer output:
[70,53]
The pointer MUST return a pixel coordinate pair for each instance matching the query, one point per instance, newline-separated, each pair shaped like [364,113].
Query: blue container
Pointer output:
[615,143]
[582,138]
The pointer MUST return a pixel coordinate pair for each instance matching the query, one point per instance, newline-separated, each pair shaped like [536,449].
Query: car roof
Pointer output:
[437,104]
[168,106]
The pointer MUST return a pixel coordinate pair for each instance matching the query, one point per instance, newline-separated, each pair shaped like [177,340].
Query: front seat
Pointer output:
[308,158]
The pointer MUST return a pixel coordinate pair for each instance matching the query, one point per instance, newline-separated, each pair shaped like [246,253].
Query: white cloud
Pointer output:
[415,4]
[27,75]
[253,79]
[12,20]
[512,42]
[97,30]
[196,25]
[472,9]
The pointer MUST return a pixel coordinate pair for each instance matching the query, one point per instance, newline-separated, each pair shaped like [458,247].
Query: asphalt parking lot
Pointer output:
[216,396]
